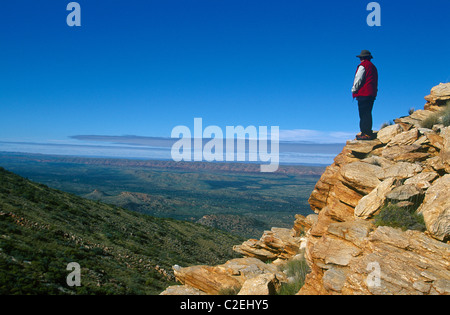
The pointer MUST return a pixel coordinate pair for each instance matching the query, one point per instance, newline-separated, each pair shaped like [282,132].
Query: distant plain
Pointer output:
[230,196]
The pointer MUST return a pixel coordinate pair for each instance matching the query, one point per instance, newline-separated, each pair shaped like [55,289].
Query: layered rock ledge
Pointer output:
[347,249]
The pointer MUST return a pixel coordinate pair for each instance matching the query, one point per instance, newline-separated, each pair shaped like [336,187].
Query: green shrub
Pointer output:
[296,270]
[441,117]
[405,218]
[229,291]
[446,115]
[430,121]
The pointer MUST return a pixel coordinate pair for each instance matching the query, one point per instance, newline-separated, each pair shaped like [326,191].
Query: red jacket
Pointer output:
[370,85]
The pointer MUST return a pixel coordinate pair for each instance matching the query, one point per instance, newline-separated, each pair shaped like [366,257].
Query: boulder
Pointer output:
[423,139]
[362,176]
[396,152]
[438,96]
[379,161]
[401,170]
[421,114]
[370,204]
[281,241]
[248,267]
[436,163]
[208,279]
[386,134]
[334,279]
[436,208]
[435,140]
[264,284]
[445,152]
[331,250]
[277,243]
[404,138]
[345,157]
[346,194]
[228,277]
[303,224]
[362,147]
[416,118]
[355,232]
[182,290]
[422,180]
[338,210]
[255,248]
[409,192]
[324,219]
[412,156]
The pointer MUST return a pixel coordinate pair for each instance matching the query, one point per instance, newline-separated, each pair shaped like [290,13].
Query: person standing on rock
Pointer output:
[365,89]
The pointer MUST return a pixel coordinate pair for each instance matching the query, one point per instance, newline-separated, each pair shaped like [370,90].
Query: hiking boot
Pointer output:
[364,137]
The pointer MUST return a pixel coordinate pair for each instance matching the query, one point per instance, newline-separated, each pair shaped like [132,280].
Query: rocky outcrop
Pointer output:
[276,244]
[348,251]
[251,275]
[439,95]
[241,275]
[408,166]
[358,258]
[359,181]
[436,208]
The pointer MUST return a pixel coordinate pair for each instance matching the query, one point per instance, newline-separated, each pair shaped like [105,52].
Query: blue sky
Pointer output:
[143,67]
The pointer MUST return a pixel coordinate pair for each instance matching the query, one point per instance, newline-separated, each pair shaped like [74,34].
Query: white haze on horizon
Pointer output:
[296,146]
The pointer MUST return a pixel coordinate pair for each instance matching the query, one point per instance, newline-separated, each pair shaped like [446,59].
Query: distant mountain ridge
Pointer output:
[167,164]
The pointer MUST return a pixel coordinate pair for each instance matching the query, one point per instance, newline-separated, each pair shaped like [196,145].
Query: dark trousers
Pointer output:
[365,106]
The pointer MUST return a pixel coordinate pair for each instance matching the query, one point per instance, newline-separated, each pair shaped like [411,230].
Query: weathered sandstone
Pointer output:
[406,165]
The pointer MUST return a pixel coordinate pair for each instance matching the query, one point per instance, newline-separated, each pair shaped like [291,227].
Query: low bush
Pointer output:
[441,117]
[446,115]
[395,216]
[296,271]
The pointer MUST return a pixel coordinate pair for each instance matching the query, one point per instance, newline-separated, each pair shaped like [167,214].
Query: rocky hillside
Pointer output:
[382,222]
[42,230]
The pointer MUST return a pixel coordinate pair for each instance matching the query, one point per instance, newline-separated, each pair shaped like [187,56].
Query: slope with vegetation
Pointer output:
[243,202]
[42,230]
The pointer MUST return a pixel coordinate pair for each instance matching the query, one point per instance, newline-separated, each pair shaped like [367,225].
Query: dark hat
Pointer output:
[365,53]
